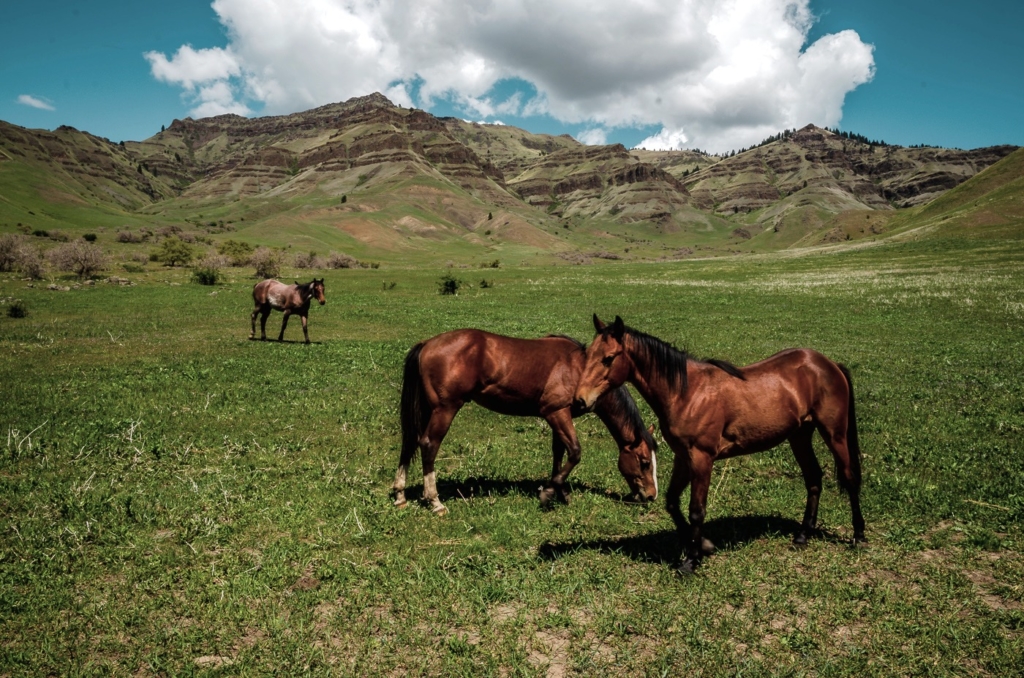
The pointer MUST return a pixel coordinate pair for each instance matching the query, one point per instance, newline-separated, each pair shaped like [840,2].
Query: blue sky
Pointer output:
[941,73]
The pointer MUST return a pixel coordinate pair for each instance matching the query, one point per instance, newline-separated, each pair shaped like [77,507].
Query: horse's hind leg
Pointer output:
[803,450]
[256,312]
[846,474]
[430,442]
[264,314]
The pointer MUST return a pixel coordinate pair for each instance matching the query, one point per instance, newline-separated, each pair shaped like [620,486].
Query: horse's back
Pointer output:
[505,374]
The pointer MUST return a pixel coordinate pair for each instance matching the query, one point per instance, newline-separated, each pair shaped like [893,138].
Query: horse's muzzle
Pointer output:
[579,405]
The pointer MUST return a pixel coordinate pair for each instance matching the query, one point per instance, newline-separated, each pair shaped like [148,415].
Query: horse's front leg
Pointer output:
[284,324]
[565,433]
[700,479]
[305,332]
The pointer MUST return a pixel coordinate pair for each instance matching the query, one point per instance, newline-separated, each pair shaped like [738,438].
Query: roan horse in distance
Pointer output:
[291,299]
[524,377]
[710,410]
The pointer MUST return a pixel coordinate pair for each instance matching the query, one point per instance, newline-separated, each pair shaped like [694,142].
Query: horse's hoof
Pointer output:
[860,542]
[707,547]
[440,510]
[401,503]
[685,568]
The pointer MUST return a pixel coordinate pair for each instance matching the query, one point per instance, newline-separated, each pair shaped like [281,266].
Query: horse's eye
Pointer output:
[608,360]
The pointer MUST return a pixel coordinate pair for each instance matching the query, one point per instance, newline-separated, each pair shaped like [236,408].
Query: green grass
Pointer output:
[178,499]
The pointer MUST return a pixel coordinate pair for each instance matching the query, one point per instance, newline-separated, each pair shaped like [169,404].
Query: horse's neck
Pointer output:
[654,386]
[616,421]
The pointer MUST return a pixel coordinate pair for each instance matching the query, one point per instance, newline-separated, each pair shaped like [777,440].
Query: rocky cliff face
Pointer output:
[814,161]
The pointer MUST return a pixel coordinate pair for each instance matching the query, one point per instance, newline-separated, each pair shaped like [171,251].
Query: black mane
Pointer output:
[662,357]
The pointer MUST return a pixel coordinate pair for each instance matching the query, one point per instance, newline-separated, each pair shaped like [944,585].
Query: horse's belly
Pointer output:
[503,402]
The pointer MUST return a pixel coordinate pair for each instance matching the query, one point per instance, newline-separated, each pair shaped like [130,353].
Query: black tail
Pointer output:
[852,441]
[412,405]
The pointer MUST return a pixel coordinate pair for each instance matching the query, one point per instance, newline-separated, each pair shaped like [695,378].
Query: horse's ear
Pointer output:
[618,328]
[650,429]
[598,325]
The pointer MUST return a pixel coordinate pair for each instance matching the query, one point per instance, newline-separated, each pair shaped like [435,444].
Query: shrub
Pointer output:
[485,284]
[310,260]
[173,252]
[239,253]
[78,257]
[40,233]
[448,284]
[128,236]
[17,309]
[169,230]
[267,262]
[10,244]
[207,270]
[341,260]
[30,262]
[205,276]
[59,236]
[89,237]
[132,267]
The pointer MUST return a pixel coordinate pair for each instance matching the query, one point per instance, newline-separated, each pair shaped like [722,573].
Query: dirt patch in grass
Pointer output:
[551,649]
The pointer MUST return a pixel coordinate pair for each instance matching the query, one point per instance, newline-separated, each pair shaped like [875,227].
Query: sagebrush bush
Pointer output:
[341,260]
[207,270]
[30,262]
[78,257]
[10,244]
[128,237]
[267,262]
[308,260]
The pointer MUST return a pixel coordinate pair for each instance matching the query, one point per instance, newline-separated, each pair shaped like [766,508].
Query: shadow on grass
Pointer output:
[477,488]
[664,547]
[286,341]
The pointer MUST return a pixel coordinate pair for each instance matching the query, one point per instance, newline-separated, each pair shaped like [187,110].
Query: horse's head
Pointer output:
[607,367]
[638,464]
[317,289]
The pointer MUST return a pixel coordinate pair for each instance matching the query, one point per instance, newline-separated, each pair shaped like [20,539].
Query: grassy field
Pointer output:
[177,499]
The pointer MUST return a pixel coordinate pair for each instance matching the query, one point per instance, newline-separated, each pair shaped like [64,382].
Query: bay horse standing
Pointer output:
[522,377]
[271,294]
[710,410]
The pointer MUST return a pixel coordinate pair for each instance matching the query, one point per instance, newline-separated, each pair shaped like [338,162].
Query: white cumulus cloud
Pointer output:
[713,74]
[35,102]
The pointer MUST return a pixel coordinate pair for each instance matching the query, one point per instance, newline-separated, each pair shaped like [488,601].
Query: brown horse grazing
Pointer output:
[712,410]
[523,377]
[291,299]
